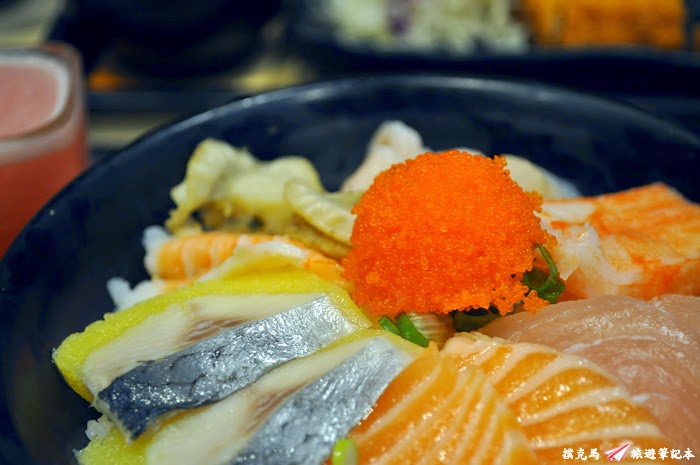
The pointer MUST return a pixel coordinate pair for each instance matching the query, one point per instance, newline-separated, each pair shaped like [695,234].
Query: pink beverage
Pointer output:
[42,130]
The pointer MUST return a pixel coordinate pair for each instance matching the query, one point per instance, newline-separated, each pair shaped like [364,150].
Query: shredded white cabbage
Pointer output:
[457,26]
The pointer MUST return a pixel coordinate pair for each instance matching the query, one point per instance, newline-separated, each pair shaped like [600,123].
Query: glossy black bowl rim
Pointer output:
[322,88]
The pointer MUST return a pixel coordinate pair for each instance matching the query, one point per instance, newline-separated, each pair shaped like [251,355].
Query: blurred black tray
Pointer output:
[666,83]
[626,70]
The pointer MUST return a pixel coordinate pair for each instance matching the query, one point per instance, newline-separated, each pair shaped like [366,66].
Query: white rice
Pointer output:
[153,238]
[97,429]
[124,296]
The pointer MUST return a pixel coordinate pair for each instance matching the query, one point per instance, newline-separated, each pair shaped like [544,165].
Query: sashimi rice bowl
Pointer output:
[440,307]
[434,305]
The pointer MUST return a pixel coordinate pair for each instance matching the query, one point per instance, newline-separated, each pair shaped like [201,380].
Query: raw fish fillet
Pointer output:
[435,413]
[683,308]
[642,242]
[561,400]
[150,330]
[214,368]
[291,415]
[199,344]
[652,347]
[305,428]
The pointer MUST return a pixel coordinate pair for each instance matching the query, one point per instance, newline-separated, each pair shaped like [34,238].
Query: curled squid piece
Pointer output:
[227,187]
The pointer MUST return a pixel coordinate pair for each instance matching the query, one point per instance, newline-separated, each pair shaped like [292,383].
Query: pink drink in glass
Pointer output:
[42,130]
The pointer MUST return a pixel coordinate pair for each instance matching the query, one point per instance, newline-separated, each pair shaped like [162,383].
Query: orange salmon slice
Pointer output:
[436,413]
[561,401]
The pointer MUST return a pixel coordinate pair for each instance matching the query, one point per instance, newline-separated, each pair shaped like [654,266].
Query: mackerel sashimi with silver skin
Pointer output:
[292,414]
[213,369]
[202,344]
[305,428]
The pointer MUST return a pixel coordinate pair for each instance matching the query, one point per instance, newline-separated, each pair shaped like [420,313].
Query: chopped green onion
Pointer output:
[388,325]
[553,294]
[345,452]
[548,287]
[465,321]
[433,327]
[535,279]
[409,332]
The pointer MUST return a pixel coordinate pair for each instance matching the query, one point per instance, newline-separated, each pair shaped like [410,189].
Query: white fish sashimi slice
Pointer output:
[214,368]
[655,354]
[682,307]
[305,428]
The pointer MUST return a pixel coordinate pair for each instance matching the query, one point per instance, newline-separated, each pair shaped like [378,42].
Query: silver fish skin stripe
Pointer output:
[219,366]
[304,429]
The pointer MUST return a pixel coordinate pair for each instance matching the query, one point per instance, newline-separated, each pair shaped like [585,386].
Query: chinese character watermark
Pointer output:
[619,453]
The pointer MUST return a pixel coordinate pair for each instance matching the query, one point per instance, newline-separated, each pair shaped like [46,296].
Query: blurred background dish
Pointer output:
[149,62]
[166,38]
[640,51]
[459,28]
[53,276]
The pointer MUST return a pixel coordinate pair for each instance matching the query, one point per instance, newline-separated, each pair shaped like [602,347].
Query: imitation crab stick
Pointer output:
[642,242]
[191,256]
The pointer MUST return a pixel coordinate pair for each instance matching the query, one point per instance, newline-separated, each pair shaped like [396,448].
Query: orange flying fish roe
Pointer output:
[444,231]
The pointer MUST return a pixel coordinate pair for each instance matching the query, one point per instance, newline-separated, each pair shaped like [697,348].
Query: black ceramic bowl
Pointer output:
[52,279]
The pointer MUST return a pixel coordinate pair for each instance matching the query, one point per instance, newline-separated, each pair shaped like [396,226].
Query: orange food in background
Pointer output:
[657,23]
[442,232]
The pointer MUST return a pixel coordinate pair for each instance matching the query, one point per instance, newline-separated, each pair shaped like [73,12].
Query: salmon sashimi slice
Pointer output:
[653,348]
[561,401]
[642,242]
[435,413]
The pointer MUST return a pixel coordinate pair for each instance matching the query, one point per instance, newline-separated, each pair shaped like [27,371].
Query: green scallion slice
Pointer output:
[472,320]
[388,325]
[409,332]
[345,452]
[548,287]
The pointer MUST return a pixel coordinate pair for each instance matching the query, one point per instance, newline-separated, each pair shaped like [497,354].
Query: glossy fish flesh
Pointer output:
[653,348]
[214,368]
[436,412]
[561,400]
[219,432]
[305,428]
